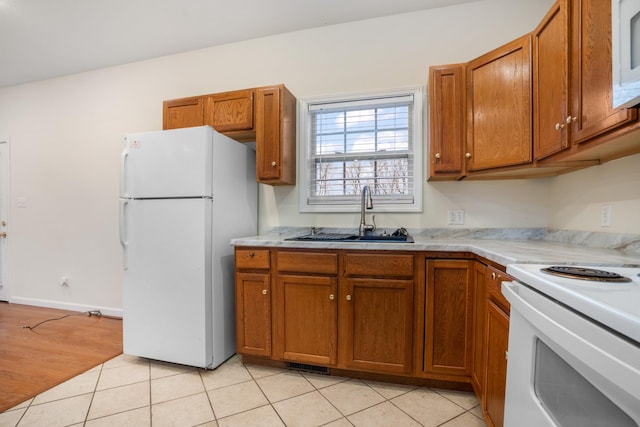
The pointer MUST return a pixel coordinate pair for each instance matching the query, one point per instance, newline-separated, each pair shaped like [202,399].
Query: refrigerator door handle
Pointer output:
[123,232]
[123,174]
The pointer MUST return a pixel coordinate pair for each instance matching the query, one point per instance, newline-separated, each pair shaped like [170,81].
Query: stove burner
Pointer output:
[583,273]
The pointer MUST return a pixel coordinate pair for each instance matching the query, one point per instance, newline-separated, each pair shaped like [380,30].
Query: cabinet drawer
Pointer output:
[308,262]
[253,259]
[495,278]
[371,264]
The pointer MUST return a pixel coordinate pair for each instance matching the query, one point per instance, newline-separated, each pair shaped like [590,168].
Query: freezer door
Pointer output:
[171,163]
[167,282]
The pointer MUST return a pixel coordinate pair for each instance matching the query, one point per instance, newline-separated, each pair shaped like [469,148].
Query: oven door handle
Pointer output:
[578,339]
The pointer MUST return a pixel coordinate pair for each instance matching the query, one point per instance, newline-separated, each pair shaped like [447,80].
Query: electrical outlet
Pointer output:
[605,216]
[455,216]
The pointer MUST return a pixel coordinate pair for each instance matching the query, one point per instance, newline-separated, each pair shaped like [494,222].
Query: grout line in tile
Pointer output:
[270,403]
[93,394]
[25,411]
[402,410]
[213,411]
[330,422]
[435,390]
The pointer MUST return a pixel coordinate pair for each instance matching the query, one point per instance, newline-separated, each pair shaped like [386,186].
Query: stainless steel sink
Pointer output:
[340,237]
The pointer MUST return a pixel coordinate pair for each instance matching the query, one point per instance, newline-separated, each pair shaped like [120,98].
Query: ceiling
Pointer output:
[41,39]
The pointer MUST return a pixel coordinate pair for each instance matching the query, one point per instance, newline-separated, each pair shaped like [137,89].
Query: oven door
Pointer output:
[565,369]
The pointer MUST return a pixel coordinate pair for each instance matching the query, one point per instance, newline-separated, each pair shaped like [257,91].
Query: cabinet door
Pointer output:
[591,73]
[479,313]
[376,325]
[230,111]
[446,109]
[448,317]
[551,100]
[275,136]
[253,314]
[497,333]
[307,310]
[499,107]
[183,113]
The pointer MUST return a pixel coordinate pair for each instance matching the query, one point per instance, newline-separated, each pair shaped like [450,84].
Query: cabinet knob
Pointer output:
[468,155]
[264,292]
[331,297]
[559,126]
[251,254]
[437,155]
[348,297]
[273,163]
[570,119]
[493,276]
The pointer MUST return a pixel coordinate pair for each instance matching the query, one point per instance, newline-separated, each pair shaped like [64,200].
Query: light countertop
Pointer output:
[503,248]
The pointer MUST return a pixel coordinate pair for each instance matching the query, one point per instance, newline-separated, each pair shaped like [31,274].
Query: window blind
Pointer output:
[362,142]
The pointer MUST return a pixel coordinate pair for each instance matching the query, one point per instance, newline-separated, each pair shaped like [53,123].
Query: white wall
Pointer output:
[576,199]
[66,134]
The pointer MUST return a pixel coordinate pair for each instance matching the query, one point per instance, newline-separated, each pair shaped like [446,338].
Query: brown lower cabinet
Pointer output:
[307,319]
[448,319]
[376,325]
[412,317]
[253,295]
[494,349]
[497,338]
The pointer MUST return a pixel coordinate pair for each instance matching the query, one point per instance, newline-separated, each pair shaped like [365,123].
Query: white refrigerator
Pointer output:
[184,194]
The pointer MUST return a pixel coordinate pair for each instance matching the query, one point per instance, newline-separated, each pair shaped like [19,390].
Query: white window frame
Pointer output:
[304,147]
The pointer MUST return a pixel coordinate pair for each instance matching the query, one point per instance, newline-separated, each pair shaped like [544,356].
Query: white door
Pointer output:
[166,296]
[4,209]
[172,163]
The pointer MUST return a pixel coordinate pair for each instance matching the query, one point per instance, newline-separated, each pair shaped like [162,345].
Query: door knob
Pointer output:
[348,297]
[468,155]
[437,155]
[273,163]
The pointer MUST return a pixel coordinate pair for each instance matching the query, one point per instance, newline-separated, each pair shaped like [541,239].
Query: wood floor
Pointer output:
[32,361]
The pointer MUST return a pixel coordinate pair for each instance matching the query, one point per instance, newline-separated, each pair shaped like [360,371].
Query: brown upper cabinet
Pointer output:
[231,113]
[266,115]
[591,74]
[499,107]
[551,110]
[571,122]
[275,136]
[572,82]
[183,113]
[447,115]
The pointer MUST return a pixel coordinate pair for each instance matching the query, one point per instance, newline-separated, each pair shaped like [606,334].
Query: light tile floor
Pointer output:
[131,391]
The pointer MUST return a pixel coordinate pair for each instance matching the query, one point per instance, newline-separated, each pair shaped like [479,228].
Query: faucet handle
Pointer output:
[373,218]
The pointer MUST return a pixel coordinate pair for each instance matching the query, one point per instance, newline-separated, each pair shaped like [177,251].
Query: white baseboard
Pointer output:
[106,311]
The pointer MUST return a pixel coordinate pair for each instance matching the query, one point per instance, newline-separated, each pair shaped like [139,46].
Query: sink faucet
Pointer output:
[366,201]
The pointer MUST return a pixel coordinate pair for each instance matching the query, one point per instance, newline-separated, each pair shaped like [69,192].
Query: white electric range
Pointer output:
[574,347]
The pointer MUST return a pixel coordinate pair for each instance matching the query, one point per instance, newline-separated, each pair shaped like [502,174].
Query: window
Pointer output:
[372,139]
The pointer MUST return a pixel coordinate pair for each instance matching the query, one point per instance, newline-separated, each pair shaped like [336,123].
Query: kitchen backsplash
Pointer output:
[622,242]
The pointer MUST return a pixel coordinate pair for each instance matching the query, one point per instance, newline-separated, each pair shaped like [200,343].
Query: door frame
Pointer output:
[5,175]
